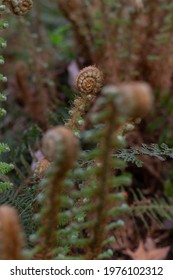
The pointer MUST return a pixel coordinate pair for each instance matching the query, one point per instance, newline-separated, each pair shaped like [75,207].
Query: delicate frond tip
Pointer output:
[60,140]
[89,80]
[11,241]
[20,7]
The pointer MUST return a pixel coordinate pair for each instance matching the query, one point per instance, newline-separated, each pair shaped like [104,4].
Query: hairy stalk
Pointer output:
[103,178]
[11,241]
[60,145]
[111,139]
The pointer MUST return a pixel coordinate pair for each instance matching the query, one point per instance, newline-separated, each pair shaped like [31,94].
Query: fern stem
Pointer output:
[102,213]
[60,144]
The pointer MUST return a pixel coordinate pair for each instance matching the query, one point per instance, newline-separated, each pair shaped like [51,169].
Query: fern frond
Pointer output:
[97,203]
[153,150]
[5,167]
[4,148]
[2,112]
[2,96]
[22,199]
[60,145]
[156,209]
[5,186]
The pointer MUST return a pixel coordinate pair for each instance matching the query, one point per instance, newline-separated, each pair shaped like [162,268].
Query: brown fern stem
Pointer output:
[11,241]
[103,186]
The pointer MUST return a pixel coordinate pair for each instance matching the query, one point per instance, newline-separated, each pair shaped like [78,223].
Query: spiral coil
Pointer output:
[89,80]
[20,7]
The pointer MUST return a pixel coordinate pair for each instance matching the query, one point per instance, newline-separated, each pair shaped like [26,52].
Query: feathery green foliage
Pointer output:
[161,151]
[4,167]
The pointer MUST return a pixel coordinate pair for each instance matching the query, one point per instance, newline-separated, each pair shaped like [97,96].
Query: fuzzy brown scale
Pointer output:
[20,7]
[41,167]
[89,80]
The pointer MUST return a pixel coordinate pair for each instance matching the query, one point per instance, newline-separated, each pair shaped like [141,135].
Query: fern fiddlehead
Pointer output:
[89,80]
[60,145]
[88,83]
[20,7]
